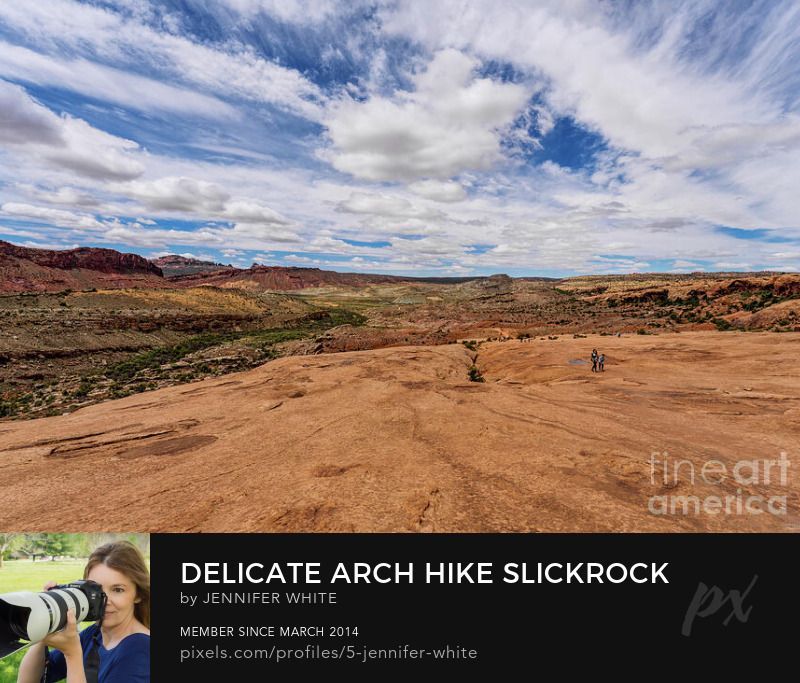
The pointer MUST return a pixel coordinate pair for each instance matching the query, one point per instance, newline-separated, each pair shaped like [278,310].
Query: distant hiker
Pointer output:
[601,362]
[594,360]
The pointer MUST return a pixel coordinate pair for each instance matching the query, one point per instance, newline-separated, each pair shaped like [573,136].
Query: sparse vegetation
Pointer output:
[169,364]
[475,374]
[116,342]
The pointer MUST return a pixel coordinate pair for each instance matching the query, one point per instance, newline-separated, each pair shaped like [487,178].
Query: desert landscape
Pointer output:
[188,396]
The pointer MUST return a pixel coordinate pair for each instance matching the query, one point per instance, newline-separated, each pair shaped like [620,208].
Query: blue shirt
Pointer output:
[127,662]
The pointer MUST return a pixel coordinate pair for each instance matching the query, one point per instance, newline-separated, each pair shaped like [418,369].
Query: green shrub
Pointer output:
[83,390]
[474,374]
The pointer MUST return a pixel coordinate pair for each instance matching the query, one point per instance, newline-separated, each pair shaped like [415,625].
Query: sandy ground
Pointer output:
[398,439]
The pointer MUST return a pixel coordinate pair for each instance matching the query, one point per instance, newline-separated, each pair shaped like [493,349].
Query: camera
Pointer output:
[33,616]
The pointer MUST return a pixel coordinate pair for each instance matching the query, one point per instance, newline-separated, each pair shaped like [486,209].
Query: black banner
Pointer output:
[268,604]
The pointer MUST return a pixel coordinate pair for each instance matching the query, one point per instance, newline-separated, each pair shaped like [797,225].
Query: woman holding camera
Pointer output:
[115,649]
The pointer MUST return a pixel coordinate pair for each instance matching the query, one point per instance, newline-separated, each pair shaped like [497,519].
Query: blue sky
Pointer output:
[449,138]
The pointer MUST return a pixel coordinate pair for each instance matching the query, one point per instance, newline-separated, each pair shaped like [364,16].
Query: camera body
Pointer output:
[95,598]
[34,616]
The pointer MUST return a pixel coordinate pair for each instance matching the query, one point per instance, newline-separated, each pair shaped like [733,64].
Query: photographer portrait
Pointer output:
[114,649]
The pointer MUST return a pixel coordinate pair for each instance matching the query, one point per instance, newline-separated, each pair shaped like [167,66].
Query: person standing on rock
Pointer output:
[594,360]
[601,363]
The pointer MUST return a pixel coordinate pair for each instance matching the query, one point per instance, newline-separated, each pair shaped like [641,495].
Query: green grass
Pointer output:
[24,575]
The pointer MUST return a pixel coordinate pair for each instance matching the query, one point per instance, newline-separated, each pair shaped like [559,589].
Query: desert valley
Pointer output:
[209,397]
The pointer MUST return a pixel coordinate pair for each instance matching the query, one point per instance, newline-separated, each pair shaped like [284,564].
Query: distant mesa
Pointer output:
[23,269]
[89,258]
[183,272]
[173,265]
[284,278]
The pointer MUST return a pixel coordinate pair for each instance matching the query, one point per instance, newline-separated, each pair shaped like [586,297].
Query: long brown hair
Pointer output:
[125,557]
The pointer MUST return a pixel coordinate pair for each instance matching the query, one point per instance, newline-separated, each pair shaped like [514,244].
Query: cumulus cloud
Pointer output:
[640,100]
[244,236]
[438,191]
[95,153]
[665,84]
[67,196]
[178,194]
[23,120]
[207,199]
[385,205]
[452,121]
[59,217]
[250,211]
[64,141]
[694,105]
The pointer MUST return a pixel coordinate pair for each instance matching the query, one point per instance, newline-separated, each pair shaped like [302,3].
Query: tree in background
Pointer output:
[61,545]
[86,543]
[53,545]
[8,543]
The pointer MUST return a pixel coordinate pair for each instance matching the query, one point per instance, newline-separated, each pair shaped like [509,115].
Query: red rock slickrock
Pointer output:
[398,439]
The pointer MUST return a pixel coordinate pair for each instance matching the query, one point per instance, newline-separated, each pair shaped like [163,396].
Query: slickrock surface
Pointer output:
[398,439]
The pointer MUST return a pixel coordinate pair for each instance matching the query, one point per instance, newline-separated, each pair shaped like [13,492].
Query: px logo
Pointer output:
[708,601]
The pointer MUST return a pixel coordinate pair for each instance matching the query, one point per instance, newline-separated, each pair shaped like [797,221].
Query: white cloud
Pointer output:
[177,194]
[641,101]
[438,191]
[451,122]
[733,265]
[67,196]
[244,236]
[696,139]
[706,124]
[383,205]
[201,198]
[225,69]
[94,153]
[64,141]
[107,83]
[23,120]
[294,11]
[60,217]
[250,211]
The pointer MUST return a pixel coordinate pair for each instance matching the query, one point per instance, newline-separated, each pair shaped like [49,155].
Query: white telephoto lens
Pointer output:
[39,618]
